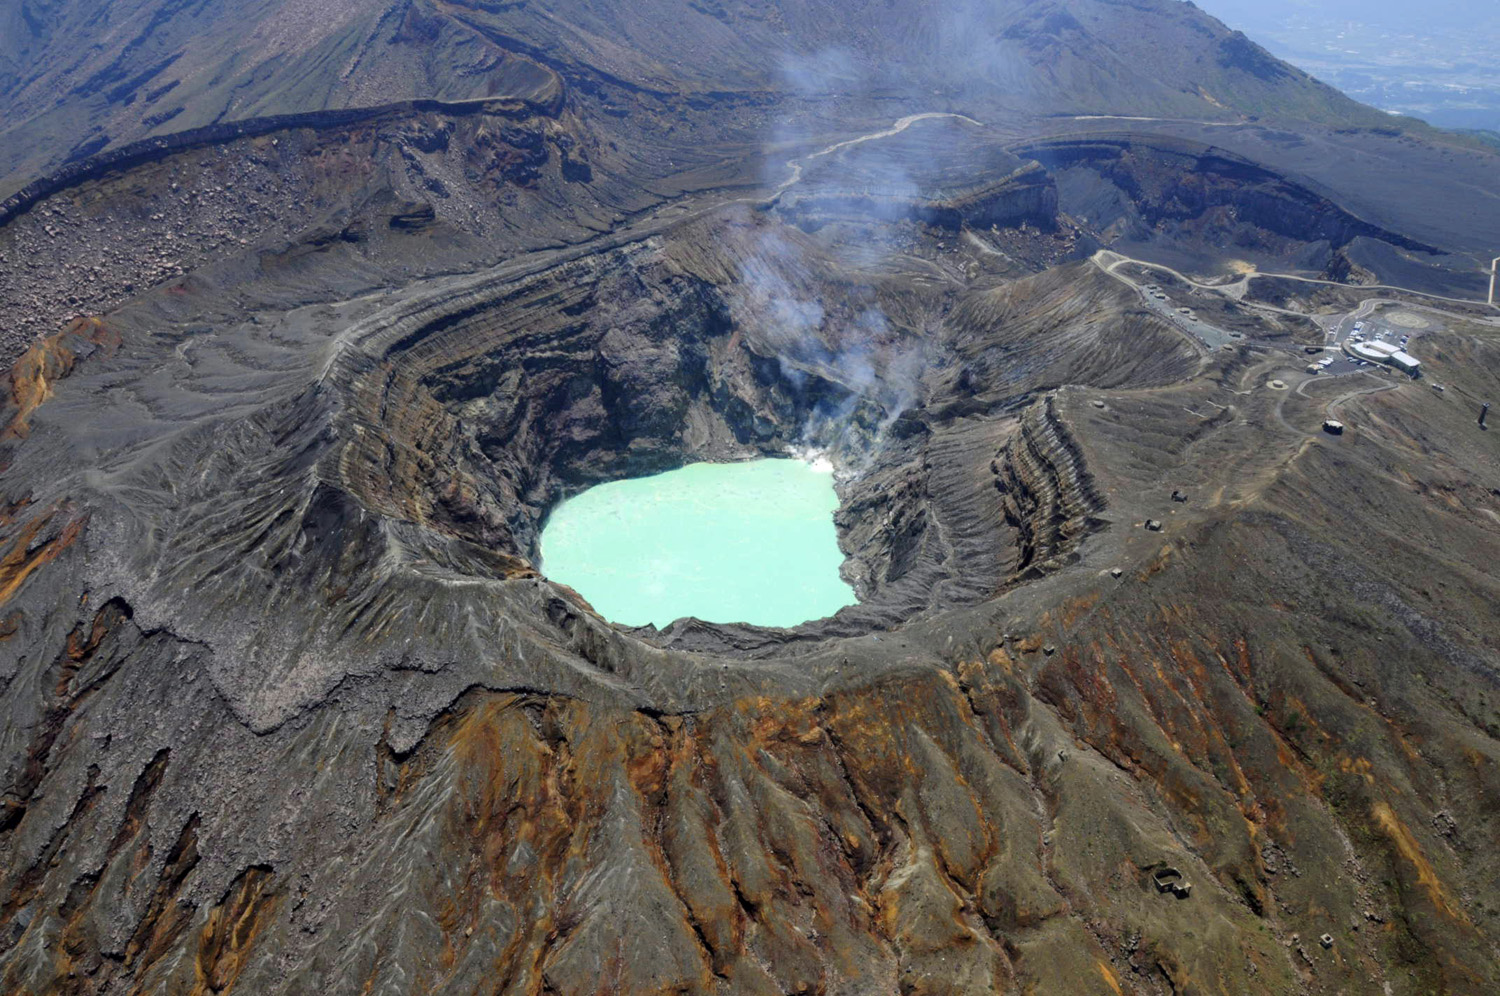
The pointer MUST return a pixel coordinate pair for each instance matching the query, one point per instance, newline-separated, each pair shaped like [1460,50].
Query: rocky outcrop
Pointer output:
[394,190]
[1048,493]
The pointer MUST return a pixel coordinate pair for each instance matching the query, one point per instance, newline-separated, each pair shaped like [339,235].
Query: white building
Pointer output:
[1402,360]
[1384,352]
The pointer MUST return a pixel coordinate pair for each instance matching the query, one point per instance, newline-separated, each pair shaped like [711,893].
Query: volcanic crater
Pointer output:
[674,351]
[289,707]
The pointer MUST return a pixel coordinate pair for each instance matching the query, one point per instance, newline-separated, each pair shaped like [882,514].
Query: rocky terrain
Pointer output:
[1154,686]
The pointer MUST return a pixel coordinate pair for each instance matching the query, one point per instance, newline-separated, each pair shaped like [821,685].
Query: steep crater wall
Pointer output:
[476,417]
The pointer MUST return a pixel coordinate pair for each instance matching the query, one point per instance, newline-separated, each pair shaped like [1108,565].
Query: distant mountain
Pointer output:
[1394,15]
[77,77]
[1437,62]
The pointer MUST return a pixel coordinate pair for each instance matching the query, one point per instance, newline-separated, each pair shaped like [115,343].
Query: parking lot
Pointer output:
[1186,319]
[1397,328]
[1341,364]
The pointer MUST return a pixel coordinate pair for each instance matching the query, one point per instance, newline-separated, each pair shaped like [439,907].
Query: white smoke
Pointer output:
[778,296]
[880,372]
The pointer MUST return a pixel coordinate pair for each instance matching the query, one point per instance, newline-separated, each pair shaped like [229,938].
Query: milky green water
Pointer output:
[746,542]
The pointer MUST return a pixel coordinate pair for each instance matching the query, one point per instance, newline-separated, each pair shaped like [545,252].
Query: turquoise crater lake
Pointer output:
[749,542]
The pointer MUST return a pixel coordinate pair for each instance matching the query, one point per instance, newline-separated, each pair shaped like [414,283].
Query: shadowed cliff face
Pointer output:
[1198,193]
[289,707]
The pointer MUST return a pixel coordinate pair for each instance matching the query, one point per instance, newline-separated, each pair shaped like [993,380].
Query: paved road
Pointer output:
[1208,336]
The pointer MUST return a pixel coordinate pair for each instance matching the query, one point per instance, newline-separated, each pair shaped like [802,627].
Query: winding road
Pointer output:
[1109,260]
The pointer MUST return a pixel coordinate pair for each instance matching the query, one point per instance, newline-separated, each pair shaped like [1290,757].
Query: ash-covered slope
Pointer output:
[287,706]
